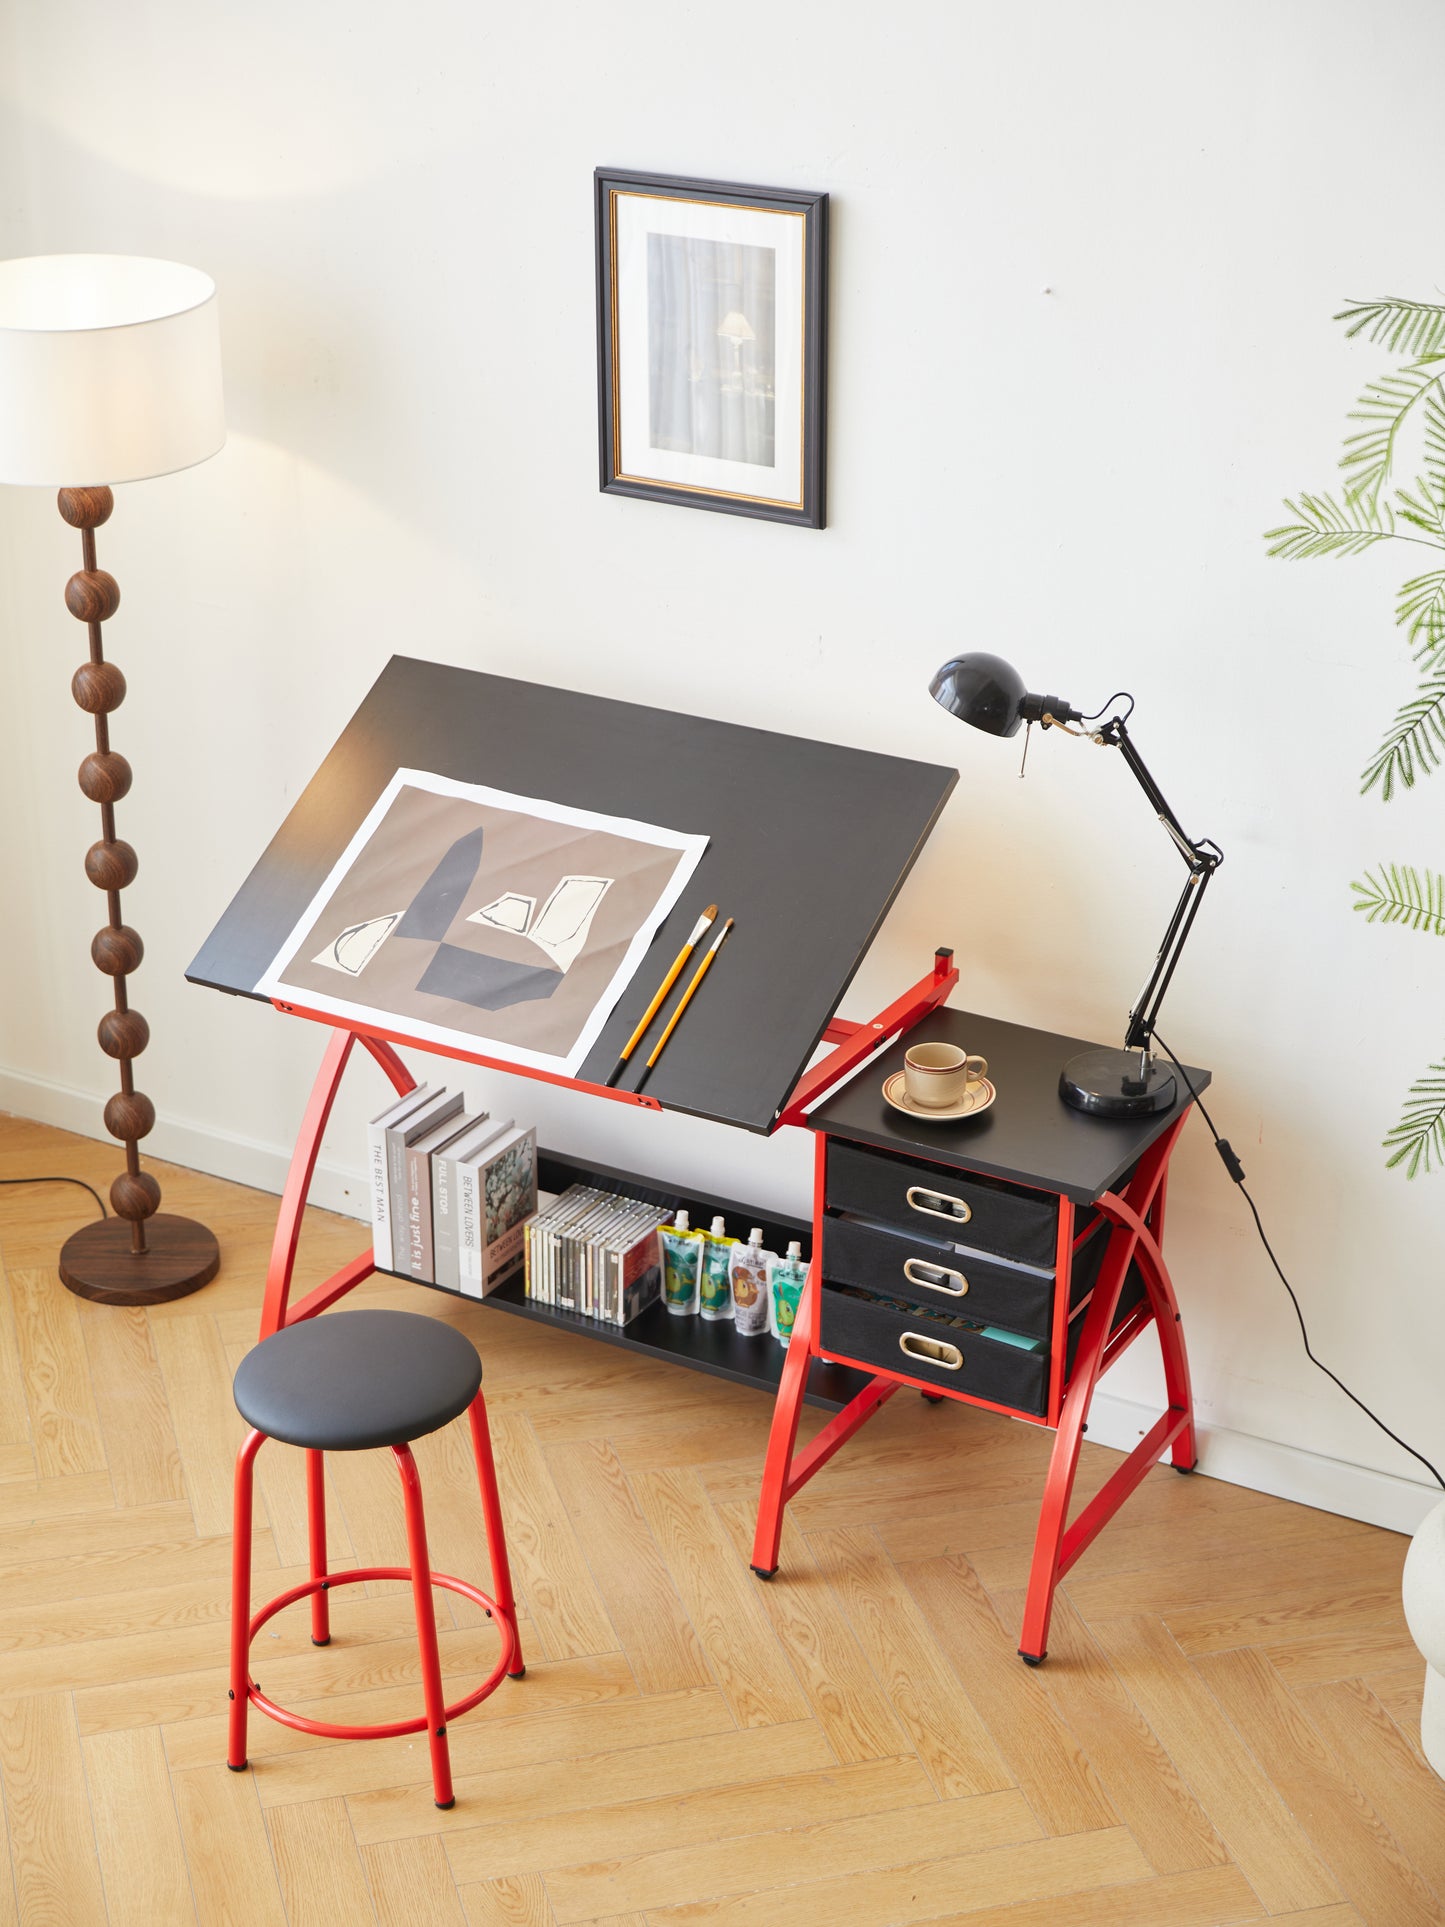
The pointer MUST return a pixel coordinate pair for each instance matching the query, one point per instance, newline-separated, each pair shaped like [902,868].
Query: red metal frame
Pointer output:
[1136,1218]
[499,1605]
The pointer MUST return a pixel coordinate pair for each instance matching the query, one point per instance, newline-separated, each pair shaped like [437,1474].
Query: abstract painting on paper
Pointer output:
[484,922]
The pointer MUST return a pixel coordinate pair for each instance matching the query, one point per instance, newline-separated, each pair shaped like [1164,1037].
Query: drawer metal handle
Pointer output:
[940,1204]
[915,1270]
[932,1350]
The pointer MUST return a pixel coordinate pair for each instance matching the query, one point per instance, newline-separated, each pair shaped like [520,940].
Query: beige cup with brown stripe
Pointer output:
[937,1076]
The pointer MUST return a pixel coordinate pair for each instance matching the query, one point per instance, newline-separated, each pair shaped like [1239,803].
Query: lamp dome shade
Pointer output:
[982,690]
[110,369]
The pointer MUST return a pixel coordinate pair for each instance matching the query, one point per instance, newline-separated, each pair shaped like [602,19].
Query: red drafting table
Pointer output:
[809,845]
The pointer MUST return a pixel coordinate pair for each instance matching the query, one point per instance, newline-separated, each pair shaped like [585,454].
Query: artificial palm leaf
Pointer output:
[1414,745]
[1406,327]
[1402,894]
[1419,1137]
[1384,408]
[1328,527]
[1421,612]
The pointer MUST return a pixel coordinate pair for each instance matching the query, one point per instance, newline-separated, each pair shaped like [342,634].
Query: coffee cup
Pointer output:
[937,1076]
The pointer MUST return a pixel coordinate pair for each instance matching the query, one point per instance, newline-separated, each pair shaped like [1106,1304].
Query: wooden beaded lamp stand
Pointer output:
[141,1256]
[110,365]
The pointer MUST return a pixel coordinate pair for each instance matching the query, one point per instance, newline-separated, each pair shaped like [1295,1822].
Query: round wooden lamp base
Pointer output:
[97,1262]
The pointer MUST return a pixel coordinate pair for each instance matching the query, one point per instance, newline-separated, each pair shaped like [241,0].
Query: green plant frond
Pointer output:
[1425,508]
[1328,527]
[1399,893]
[1405,327]
[1420,612]
[1384,409]
[1415,743]
[1434,412]
[1419,1138]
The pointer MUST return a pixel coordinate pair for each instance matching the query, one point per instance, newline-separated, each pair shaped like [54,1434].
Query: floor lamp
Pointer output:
[110,371]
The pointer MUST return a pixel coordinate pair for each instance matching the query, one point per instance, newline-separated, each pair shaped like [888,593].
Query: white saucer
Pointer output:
[980,1095]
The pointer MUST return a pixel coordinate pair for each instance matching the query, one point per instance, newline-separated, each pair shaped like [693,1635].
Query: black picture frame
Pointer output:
[809,509]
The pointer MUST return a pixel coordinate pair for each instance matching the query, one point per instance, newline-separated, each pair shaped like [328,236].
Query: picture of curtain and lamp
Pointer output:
[711,344]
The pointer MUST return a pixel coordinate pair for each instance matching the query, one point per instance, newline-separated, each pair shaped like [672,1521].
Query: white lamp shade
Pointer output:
[110,369]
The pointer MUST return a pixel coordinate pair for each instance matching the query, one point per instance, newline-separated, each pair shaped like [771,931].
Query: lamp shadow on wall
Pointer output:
[362,362]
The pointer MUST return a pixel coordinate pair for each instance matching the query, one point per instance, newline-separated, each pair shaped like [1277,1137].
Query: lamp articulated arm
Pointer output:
[1203,858]
[989,694]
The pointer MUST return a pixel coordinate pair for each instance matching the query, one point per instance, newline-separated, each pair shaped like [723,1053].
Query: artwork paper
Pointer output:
[485,922]
[710,346]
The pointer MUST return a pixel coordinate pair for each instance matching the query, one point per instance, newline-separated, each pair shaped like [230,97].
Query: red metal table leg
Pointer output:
[1044,1573]
[782,1437]
[303,1166]
[1058,1544]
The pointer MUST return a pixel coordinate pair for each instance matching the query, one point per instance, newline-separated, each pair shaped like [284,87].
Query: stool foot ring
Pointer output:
[445,1805]
[239,1769]
[1032,1659]
[764,1572]
[393,1729]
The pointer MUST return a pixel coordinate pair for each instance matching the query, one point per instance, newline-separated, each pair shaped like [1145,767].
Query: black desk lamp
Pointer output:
[989,693]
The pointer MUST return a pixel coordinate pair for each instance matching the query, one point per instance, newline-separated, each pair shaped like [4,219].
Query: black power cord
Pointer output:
[80,1181]
[1232,1165]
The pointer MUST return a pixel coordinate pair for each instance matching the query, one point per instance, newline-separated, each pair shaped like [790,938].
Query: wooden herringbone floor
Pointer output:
[1224,1730]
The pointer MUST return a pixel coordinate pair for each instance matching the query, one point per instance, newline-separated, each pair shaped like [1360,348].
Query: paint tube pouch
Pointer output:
[786,1278]
[715,1290]
[681,1251]
[748,1275]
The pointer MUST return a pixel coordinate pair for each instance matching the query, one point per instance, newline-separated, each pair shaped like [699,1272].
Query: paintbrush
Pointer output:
[683,1002]
[704,921]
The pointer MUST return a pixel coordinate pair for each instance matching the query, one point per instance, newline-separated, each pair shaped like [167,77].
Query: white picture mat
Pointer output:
[637,216]
[476,1043]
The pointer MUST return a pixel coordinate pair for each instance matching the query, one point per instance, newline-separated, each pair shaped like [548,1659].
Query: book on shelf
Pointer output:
[595,1252]
[378,1173]
[496,1196]
[476,1129]
[400,1137]
[420,1210]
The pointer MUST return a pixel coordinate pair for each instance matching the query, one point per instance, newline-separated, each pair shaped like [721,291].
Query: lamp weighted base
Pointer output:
[1107,1083]
[98,1262]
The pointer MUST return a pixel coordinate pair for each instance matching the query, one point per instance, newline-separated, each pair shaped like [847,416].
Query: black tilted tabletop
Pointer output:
[1028,1135]
[809,844]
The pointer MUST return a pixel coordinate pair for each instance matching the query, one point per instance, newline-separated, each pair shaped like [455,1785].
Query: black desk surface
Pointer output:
[809,844]
[1028,1134]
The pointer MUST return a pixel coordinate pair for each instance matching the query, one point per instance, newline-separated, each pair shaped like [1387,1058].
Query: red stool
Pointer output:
[351,1382]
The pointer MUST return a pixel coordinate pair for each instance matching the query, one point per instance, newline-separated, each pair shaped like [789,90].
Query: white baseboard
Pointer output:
[1238,1458]
[200,1147]
[1284,1471]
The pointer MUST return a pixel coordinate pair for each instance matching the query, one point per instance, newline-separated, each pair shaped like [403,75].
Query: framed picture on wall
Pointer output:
[712,344]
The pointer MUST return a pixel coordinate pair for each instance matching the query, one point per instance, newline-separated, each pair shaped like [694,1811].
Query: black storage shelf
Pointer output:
[704,1345]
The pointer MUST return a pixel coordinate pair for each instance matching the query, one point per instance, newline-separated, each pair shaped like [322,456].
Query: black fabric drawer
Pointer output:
[857,1254]
[946,1204]
[872,1334]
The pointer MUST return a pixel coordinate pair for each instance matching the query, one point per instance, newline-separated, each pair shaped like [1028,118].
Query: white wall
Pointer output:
[1085,260]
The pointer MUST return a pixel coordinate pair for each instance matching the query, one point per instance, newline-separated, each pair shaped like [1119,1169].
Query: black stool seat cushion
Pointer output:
[349,1381]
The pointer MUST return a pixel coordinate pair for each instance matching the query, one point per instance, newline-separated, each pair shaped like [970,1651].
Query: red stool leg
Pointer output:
[426,1627]
[316,1539]
[496,1536]
[241,1600]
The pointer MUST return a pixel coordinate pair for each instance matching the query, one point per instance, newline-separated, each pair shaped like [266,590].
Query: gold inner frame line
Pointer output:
[614,195]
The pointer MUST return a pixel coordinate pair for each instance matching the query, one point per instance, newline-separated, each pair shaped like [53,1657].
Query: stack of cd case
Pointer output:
[595,1252]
